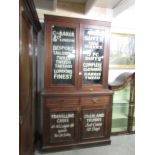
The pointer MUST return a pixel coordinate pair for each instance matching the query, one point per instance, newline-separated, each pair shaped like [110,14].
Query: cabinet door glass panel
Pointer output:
[63,54]
[92,55]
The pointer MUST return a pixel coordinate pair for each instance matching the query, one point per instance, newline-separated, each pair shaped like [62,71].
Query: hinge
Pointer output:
[21,119]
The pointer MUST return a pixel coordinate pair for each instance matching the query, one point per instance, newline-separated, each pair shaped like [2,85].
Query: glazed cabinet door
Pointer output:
[61,55]
[94,57]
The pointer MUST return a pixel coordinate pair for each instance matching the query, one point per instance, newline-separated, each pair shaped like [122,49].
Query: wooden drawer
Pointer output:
[62,100]
[95,100]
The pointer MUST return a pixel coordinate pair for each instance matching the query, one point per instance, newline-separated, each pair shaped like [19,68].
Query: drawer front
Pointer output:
[95,100]
[62,100]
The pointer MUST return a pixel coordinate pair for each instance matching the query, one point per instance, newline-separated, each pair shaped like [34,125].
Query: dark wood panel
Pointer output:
[104,92]
[93,123]
[25,90]
[29,26]
[24,67]
[62,126]
[95,100]
[63,100]
[26,134]
[52,125]
[77,20]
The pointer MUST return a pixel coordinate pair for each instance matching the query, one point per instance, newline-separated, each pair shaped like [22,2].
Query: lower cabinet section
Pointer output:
[75,123]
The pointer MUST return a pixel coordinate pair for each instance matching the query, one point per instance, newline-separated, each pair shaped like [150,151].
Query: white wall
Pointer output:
[125,21]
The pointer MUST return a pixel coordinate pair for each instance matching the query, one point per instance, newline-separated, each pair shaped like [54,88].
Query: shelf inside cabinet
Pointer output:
[120,110]
[119,129]
[120,123]
[119,116]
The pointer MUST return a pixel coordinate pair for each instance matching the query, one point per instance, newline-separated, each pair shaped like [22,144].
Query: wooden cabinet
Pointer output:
[76,102]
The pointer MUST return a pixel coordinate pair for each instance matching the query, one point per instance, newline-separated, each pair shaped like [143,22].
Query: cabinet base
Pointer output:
[80,145]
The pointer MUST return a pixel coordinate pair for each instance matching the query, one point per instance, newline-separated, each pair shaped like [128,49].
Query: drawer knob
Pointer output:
[80,73]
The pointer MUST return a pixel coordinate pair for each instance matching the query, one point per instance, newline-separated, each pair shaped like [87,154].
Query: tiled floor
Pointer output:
[120,145]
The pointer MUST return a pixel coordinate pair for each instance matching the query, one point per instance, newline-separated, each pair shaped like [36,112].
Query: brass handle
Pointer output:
[95,99]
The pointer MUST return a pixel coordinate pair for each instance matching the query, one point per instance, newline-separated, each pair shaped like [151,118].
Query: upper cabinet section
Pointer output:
[76,54]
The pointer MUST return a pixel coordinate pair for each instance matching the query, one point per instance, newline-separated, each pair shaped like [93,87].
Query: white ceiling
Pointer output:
[107,3]
[48,4]
[73,1]
[98,3]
